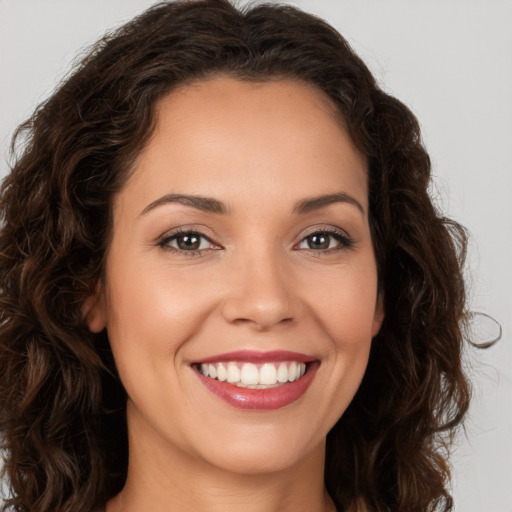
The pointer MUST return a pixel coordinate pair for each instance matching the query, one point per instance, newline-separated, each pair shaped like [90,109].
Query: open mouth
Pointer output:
[258,381]
[254,376]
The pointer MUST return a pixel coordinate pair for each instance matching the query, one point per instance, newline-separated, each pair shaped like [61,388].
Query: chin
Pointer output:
[261,460]
[261,449]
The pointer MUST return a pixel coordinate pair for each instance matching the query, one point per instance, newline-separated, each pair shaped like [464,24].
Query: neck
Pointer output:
[164,480]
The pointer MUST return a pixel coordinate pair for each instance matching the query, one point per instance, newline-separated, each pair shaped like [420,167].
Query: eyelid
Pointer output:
[163,240]
[199,229]
[344,239]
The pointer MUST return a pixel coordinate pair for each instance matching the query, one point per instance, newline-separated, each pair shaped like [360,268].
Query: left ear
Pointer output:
[94,309]
[378,316]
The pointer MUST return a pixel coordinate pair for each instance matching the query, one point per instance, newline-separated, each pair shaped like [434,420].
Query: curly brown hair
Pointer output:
[61,403]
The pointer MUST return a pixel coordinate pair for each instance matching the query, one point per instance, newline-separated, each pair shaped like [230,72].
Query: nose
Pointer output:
[260,293]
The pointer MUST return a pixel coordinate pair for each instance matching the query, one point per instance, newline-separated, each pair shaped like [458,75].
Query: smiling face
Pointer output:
[241,258]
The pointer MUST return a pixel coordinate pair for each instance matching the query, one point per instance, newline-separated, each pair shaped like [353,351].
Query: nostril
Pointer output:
[261,312]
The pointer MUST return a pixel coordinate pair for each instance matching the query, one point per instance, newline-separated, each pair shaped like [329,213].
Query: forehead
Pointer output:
[247,104]
[217,136]
[221,91]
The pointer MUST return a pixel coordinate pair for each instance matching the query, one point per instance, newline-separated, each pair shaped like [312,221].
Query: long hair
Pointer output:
[61,402]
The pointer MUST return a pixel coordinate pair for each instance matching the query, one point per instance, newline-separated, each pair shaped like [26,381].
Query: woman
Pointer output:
[219,287]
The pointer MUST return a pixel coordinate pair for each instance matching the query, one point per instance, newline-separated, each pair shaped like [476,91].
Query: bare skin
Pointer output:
[282,261]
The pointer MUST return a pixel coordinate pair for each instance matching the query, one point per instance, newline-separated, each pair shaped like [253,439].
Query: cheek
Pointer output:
[154,310]
[346,304]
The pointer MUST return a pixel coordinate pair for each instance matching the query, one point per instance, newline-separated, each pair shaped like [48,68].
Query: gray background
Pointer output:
[451,62]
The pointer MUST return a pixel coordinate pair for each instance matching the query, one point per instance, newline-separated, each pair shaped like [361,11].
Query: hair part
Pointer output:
[61,402]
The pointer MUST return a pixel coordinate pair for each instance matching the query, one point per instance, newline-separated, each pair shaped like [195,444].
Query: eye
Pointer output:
[187,241]
[325,241]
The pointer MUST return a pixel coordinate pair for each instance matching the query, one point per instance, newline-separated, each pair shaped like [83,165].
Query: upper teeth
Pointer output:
[252,375]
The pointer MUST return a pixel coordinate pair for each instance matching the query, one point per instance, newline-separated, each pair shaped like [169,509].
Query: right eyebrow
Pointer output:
[206,204]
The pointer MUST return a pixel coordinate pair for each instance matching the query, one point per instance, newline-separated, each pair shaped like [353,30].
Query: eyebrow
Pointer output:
[316,203]
[206,204]
[209,204]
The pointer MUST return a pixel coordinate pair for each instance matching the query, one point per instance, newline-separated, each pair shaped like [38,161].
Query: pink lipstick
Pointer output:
[257,380]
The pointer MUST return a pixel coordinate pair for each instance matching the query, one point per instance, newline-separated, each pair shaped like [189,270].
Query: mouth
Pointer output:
[257,380]
[254,376]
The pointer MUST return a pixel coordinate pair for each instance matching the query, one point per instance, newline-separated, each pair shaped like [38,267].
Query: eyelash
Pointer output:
[344,241]
[164,243]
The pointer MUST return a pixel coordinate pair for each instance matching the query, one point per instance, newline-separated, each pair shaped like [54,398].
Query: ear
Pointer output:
[378,316]
[94,309]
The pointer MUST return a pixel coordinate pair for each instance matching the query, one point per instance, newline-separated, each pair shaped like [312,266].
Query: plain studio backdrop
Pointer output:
[450,61]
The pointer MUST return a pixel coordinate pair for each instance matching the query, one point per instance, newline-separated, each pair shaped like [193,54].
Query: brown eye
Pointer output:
[189,241]
[320,241]
[325,241]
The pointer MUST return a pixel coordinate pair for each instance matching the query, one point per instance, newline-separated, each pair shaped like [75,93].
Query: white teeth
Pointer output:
[253,375]
[222,373]
[268,374]
[212,371]
[292,371]
[282,373]
[249,374]
[233,373]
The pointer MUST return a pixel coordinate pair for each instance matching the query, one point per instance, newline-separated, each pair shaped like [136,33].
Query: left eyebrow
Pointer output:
[316,203]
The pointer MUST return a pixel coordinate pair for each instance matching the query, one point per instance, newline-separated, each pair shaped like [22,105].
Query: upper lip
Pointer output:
[255,356]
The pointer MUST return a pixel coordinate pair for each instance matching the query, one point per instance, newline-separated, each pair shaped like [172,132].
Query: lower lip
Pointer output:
[260,399]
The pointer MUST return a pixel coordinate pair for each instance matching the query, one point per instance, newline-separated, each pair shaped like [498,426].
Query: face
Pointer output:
[240,295]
